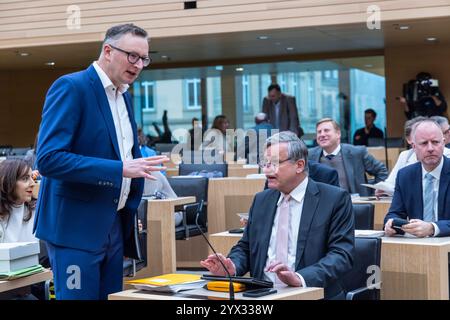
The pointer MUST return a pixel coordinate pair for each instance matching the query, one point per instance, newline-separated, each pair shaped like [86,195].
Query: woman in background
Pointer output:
[16,201]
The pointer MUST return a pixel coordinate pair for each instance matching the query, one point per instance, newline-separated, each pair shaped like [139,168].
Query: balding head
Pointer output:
[428,143]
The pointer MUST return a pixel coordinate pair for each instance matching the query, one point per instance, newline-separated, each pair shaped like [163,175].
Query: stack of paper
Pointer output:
[19,255]
[171,282]
[369,233]
[21,273]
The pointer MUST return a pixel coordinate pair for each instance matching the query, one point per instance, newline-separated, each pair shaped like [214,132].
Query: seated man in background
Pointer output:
[361,136]
[351,162]
[408,157]
[422,189]
[299,232]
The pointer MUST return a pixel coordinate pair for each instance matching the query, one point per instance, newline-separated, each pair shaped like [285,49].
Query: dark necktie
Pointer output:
[330,156]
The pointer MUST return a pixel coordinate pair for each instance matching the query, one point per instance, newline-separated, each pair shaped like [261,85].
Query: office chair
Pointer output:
[191,186]
[185,169]
[364,216]
[356,282]
[390,142]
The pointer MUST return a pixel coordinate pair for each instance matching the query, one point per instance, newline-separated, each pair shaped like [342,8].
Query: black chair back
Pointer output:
[367,254]
[191,186]
[364,216]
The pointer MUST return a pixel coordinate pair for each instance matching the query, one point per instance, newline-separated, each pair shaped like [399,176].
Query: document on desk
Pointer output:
[383,185]
[171,282]
[369,233]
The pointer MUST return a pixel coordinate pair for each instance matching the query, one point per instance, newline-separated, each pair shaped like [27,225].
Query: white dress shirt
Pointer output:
[122,123]
[295,214]
[436,173]
[334,153]
[14,229]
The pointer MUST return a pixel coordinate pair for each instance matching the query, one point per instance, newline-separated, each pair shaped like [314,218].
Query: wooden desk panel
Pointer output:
[6,285]
[414,268]
[226,198]
[224,241]
[161,248]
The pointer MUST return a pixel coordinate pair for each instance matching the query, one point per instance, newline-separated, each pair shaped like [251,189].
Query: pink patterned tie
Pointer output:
[283,231]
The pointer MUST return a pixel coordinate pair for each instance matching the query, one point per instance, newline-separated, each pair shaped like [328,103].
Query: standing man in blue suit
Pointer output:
[93,173]
[422,192]
[299,232]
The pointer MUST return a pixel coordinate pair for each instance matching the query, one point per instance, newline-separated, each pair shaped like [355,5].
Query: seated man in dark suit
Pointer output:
[351,162]
[300,232]
[422,189]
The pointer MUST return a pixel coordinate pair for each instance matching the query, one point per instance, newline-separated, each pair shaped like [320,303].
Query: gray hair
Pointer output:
[439,120]
[116,32]
[297,149]
[409,124]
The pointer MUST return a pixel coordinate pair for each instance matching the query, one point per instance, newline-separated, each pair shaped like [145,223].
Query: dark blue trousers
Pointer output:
[85,275]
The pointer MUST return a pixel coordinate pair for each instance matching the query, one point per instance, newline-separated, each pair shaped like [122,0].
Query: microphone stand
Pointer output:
[231,288]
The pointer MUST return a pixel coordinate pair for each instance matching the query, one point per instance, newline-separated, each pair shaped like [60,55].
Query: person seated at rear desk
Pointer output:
[422,192]
[300,232]
[16,210]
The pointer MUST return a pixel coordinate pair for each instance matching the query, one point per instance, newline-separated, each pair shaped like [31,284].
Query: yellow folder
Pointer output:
[167,279]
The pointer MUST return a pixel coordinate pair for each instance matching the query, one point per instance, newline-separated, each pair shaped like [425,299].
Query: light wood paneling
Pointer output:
[415,269]
[43,20]
[226,198]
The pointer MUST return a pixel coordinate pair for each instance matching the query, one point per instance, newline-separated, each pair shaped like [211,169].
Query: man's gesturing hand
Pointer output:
[142,167]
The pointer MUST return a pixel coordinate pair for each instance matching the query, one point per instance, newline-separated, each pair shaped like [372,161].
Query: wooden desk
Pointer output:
[380,211]
[224,241]
[161,248]
[414,268]
[285,293]
[380,154]
[6,285]
[242,170]
[226,198]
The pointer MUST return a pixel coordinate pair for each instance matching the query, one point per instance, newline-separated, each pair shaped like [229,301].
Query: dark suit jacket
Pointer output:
[408,201]
[325,242]
[357,161]
[79,159]
[288,113]
[322,173]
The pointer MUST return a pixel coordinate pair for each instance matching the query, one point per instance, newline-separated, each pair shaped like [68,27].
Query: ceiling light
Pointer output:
[431,39]
[219,68]
[368,65]
[403,27]
[289,48]
[50,63]
[240,69]
[23,54]
[164,57]
[263,37]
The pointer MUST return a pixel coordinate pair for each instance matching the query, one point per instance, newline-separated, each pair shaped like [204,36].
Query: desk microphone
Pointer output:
[200,208]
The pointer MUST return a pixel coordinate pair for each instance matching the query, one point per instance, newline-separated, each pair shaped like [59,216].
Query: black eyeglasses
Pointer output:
[133,57]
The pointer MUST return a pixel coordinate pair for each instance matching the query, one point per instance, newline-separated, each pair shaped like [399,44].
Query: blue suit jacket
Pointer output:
[79,159]
[408,200]
[325,240]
